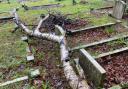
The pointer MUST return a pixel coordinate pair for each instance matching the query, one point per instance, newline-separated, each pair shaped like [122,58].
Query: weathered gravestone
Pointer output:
[92,69]
[119,9]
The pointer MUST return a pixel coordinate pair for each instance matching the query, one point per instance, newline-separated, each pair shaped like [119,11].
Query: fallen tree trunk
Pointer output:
[75,81]
[71,76]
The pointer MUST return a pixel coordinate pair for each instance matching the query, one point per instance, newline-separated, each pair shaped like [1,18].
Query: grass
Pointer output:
[13,51]
[110,30]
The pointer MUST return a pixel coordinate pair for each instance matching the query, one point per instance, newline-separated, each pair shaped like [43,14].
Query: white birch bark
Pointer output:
[71,76]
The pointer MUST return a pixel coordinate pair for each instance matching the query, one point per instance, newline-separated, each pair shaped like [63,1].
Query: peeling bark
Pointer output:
[36,33]
[71,76]
[74,81]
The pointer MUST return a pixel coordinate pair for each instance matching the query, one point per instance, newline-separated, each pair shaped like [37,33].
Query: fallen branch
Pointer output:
[74,80]
[33,74]
[36,33]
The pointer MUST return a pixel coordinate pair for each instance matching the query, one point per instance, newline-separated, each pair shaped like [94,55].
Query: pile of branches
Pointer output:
[55,19]
[63,21]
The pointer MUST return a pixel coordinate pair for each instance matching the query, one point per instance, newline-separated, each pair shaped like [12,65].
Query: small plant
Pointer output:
[45,85]
[119,41]
[124,86]
[40,55]
[109,30]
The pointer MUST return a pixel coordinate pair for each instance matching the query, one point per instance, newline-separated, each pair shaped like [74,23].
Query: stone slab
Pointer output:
[24,38]
[119,9]
[94,27]
[112,52]
[34,73]
[100,42]
[30,58]
[92,69]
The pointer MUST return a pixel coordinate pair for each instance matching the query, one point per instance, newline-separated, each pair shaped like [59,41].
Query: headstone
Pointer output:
[34,73]
[24,38]
[92,69]
[119,9]
[30,58]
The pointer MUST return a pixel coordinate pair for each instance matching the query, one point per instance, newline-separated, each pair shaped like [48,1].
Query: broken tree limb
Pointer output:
[64,51]
[63,45]
[49,36]
[74,80]
[36,33]
[13,81]
[32,74]
[41,21]
[61,30]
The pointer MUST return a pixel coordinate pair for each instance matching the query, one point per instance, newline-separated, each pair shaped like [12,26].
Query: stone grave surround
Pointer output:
[26,0]
[119,9]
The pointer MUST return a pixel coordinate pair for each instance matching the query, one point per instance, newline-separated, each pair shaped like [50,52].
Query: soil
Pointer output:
[106,10]
[47,56]
[89,36]
[77,24]
[62,20]
[50,62]
[55,19]
[106,47]
[117,69]
[93,35]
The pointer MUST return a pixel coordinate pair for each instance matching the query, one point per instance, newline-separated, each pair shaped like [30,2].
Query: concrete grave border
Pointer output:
[94,27]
